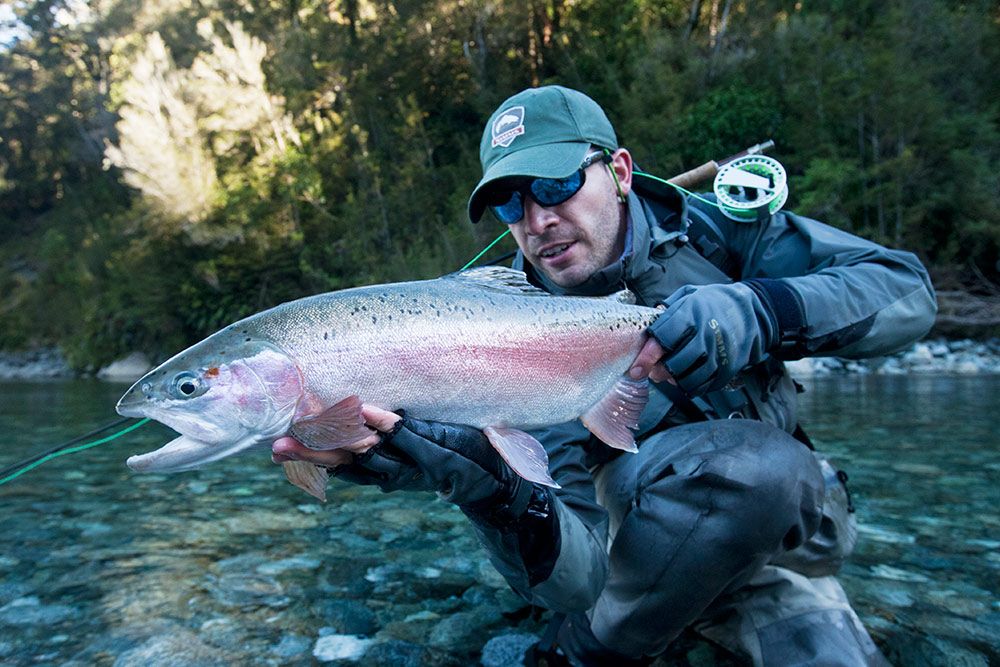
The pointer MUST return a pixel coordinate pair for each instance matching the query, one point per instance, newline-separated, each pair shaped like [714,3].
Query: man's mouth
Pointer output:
[554,251]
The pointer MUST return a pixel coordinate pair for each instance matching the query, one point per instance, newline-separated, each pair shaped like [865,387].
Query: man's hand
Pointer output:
[649,363]
[710,333]
[456,461]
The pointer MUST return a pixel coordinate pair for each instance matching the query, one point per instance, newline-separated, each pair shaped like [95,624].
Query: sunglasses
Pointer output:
[508,204]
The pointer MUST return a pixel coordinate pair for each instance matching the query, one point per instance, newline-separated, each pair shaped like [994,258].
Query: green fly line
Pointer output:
[694,195]
[79,448]
[485,250]
[71,450]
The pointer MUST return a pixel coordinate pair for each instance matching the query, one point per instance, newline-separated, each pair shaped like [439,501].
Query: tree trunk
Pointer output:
[692,22]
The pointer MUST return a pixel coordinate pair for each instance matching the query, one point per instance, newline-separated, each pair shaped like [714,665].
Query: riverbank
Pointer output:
[964,357]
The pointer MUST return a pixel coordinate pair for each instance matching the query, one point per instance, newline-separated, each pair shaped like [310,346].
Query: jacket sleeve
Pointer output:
[833,293]
[567,573]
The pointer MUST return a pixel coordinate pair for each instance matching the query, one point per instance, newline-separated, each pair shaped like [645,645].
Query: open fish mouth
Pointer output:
[186,453]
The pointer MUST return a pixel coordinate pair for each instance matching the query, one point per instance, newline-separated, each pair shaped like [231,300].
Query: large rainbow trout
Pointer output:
[481,347]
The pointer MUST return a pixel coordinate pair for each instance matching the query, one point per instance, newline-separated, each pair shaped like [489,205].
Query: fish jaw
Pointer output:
[233,402]
[186,453]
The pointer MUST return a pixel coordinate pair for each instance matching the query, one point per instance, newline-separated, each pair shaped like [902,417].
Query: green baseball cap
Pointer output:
[541,133]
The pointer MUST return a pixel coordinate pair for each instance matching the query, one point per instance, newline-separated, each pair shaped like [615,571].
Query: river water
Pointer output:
[231,565]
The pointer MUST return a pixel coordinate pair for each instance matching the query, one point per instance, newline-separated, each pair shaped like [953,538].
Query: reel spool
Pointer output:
[751,187]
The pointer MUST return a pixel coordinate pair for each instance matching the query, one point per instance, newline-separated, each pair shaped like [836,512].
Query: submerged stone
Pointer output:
[346,616]
[179,649]
[290,646]
[395,653]
[340,647]
[507,650]
[242,590]
[30,611]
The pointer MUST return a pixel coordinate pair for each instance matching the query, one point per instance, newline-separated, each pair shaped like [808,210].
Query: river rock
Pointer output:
[395,653]
[346,616]
[173,650]
[41,363]
[126,369]
[464,630]
[507,650]
[290,646]
[30,611]
[285,564]
[340,647]
[247,590]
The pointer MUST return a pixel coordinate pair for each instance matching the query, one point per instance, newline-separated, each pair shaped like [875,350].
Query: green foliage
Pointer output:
[167,169]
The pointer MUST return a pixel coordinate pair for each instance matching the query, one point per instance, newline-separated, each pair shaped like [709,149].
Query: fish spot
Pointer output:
[326,335]
[374,320]
[247,339]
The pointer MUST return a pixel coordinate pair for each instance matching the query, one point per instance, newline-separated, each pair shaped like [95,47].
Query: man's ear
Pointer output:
[621,165]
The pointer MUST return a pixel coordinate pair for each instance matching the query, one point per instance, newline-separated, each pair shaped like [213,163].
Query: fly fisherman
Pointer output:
[724,520]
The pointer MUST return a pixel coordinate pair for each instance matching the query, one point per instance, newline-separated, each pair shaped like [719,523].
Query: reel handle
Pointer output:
[703,172]
[692,177]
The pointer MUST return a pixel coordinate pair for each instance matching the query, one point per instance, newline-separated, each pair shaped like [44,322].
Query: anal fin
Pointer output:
[523,453]
[310,478]
[337,426]
[611,418]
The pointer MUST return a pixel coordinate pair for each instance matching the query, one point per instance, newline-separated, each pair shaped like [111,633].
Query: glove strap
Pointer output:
[506,512]
[535,525]
[783,304]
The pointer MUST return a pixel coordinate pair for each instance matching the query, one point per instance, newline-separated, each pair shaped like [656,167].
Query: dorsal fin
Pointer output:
[499,278]
[625,296]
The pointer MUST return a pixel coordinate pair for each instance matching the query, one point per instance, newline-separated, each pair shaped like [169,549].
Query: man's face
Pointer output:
[571,241]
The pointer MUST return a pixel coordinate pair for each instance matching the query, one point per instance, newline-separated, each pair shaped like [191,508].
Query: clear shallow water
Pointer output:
[232,565]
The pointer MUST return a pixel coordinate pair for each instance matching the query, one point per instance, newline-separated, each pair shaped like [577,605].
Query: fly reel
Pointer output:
[751,187]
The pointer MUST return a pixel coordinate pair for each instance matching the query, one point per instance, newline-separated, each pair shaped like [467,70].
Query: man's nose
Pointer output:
[538,218]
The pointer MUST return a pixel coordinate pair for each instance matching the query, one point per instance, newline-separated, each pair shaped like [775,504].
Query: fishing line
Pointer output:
[745,185]
[485,250]
[35,461]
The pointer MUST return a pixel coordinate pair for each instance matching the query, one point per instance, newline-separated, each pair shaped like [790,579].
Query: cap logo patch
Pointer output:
[508,126]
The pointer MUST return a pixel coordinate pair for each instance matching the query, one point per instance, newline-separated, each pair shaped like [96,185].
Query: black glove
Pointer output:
[460,464]
[456,461]
[712,332]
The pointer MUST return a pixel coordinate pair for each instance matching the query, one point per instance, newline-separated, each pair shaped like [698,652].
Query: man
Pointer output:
[723,521]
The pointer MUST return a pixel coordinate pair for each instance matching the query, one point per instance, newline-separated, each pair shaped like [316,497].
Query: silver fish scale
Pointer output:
[456,350]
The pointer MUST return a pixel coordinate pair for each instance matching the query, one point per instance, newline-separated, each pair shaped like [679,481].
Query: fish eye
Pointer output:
[186,385]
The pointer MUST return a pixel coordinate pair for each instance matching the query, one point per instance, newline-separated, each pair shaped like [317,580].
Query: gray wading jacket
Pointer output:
[857,300]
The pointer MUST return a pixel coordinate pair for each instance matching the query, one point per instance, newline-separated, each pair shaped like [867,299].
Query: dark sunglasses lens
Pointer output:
[509,211]
[552,191]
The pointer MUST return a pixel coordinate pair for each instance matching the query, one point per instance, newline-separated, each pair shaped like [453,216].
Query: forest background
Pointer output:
[169,167]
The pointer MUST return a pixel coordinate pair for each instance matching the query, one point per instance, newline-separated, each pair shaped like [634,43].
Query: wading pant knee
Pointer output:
[695,515]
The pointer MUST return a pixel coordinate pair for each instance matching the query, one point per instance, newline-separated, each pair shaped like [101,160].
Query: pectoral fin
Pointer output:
[523,453]
[611,418]
[310,478]
[337,426]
